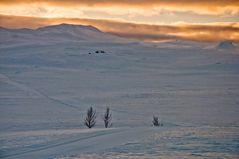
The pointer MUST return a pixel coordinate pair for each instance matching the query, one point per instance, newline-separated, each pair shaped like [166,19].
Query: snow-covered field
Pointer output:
[48,80]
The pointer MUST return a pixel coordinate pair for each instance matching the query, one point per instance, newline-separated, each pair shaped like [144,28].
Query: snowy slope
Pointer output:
[48,80]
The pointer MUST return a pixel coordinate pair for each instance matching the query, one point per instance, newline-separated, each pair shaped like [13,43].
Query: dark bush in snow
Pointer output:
[107,118]
[156,121]
[90,118]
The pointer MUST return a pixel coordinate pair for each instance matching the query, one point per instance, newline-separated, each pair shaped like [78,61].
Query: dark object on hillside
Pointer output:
[89,53]
[100,51]
[90,118]
[107,118]
[156,121]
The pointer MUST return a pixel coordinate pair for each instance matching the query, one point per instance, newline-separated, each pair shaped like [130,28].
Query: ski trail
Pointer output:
[33,91]
[58,144]
[5,79]
[58,101]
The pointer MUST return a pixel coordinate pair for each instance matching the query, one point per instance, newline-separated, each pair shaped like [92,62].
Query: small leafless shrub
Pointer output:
[107,118]
[156,121]
[90,118]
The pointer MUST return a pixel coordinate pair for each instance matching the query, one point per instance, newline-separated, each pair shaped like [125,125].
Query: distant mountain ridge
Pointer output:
[65,26]
[59,32]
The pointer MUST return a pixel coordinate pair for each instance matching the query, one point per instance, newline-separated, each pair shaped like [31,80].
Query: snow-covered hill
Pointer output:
[48,80]
[56,33]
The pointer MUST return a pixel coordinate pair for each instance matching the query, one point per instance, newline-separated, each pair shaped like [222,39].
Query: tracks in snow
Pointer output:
[58,146]
[33,91]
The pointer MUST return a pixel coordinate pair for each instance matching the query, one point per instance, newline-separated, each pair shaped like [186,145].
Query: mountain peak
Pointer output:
[65,26]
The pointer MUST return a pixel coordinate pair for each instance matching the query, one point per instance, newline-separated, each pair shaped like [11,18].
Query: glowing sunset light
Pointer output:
[144,19]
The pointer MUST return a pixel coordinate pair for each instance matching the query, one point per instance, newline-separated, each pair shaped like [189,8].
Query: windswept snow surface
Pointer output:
[48,80]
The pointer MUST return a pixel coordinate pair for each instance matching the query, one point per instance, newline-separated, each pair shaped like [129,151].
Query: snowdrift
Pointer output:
[225,45]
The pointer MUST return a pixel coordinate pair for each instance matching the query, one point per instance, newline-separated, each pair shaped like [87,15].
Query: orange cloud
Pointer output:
[199,32]
[201,7]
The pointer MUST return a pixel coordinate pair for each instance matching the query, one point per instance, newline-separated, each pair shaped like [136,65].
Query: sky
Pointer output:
[149,20]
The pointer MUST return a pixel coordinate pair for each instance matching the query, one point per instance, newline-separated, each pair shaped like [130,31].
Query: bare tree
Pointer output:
[156,121]
[90,118]
[107,118]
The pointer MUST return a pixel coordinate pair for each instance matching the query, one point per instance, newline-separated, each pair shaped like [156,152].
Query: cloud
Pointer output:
[199,32]
[214,7]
